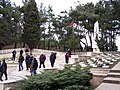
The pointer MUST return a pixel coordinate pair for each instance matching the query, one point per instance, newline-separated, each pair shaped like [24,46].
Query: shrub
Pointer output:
[71,77]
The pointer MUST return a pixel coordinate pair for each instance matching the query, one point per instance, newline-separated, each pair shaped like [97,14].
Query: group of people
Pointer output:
[31,61]
[14,54]
[43,58]
[3,69]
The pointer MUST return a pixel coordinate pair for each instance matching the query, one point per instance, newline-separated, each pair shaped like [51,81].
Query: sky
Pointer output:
[58,5]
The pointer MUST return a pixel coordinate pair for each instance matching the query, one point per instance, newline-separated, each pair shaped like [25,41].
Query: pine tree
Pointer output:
[6,25]
[31,24]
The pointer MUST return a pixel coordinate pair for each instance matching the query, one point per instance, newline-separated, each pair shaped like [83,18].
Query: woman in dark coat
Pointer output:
[42,60]
[52,59]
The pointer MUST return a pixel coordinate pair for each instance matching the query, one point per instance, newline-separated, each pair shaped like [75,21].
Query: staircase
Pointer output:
[113,77]
[112,81]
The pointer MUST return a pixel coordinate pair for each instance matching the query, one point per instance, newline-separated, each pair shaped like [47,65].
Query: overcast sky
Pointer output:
[58,5]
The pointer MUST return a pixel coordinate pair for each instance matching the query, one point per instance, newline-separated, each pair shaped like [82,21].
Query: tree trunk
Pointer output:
[64,47]
[15,45]
[74,50]
[0,47]
[44,39]
[31,51]
[23,44]
[44,44]
[58,46]
[48,44]
[80,47]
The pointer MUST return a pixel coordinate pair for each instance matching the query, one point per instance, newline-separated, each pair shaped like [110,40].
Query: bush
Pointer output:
[71,77]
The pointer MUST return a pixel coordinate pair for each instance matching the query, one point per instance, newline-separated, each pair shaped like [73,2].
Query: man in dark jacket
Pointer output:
[26,50]
[20,62]
[27,60]
[14,54]
[34,66]
[52,59]
[67,56]
[1,71]
[21,52]
[42,60]
[4,69]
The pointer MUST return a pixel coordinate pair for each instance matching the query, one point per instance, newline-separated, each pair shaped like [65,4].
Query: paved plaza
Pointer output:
[111,82]
[14,75]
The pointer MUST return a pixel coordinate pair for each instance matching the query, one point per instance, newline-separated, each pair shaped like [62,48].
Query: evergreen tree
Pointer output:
[43,20]
[32,31]
[49,18]
[6,24]
[17,27]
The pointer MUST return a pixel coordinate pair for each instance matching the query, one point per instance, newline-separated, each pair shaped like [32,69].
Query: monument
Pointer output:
[95,34]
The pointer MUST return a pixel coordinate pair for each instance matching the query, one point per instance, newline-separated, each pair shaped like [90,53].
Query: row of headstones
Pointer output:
[102,60]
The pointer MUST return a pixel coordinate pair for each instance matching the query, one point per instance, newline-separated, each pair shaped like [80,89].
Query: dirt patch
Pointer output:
[96,81]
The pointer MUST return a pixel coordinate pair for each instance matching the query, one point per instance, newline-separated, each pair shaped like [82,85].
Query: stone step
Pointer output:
[14,77]
[112,80]
[116,75]
[114,71]
[108,86]
[99,75]
[8,88]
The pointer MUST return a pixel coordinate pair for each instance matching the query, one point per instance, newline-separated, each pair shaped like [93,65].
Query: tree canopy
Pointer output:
[31,24]
[39,27]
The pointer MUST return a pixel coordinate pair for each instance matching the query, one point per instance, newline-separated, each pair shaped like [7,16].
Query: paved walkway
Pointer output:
[15,75]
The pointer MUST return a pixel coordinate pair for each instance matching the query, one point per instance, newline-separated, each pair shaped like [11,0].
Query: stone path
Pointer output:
[14,75]
[112,81]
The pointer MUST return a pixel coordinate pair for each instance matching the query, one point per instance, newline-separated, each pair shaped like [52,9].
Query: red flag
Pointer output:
[72,23]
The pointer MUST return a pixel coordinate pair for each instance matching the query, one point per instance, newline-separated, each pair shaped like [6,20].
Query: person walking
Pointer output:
[14,54]
[27,60]
[4,69]
[1,69]
[21,52]
[42,60]
[30,60]
[20,62]
[26,50]
[69,51]
[67,56]
[34,66]
[52,59]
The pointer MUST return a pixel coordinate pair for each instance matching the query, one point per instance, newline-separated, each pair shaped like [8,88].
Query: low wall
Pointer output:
[83,55]
[5,86]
